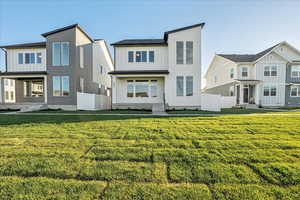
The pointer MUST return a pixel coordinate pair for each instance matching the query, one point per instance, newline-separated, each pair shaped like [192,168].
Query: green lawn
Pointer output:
[144,157]
[223,111]
[96,112]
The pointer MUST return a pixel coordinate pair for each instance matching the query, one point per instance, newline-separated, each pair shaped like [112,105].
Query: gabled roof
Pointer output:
[248,57]
[25,45]
[154,41]
[140,42]
[66,28]
[182,29]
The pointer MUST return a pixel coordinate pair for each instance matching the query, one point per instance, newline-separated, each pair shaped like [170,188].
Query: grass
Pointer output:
[223,111]
[146,157]
[95,112]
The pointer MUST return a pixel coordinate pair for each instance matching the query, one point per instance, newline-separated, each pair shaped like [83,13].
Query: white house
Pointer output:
[159,73]
[264,79]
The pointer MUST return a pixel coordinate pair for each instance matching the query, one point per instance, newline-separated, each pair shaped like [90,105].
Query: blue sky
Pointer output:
[232,26]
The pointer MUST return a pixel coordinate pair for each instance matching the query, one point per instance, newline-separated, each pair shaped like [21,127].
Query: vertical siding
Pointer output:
[13,60]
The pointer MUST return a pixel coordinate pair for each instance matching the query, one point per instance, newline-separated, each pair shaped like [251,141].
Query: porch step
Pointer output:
[251,106]
[158,108]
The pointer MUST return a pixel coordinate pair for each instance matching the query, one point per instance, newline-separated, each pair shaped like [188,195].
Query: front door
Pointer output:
[246,94]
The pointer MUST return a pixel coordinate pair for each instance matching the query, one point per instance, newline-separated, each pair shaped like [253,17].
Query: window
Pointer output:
[153,88]
[273,71]
[130,88]
[33,88]
[151,56]
[6,82]
[27,58]
[65,85]
[11,95]
[267,71]
[270,71]
[138,56]
[270,91]
[189,52]
[141,88]
[179,52]
[12,82]
[81,84]
[295,71]
[60,53]
[144,56]
[231,73]
[179,85]
[130,56]
[189,86]
[244,71]
[295,91]
[39,58]
[81,52]
[20,58]
[266,91]
[32,58]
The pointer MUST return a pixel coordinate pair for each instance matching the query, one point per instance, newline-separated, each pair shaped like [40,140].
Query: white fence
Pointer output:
[214,102]
[228,101]
[87,101]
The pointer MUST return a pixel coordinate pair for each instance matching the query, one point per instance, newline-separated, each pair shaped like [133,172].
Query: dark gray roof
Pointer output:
[25,45]
[22,73]
[181,29]
[66,28]
[140,42]
[139,72]
[247,57]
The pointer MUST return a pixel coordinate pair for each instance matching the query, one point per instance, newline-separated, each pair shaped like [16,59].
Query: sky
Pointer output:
[232,26]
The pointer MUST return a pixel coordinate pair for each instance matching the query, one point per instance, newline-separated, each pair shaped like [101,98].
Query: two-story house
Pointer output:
[52,72]
[269,78]
[163,73]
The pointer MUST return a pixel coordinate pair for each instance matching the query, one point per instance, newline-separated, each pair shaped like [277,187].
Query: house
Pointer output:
[159,73]
[269,78]
[51,73]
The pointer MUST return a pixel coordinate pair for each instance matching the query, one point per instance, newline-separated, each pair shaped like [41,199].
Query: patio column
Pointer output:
[45,90]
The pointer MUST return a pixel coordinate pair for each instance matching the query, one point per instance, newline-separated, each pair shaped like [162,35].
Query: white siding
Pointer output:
[220,68]
[193,34]
[287,53]
[251,72]
[14,66]
[160,58]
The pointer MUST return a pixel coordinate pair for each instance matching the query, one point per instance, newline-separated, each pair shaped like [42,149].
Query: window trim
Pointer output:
[298,91]
[182,81]
[186,53]
[149,82]
[61,86]
[297,70]
[231,73]
[186,86]
[270,70]
[60,54]
[244,67]
[270,87]
[177,51]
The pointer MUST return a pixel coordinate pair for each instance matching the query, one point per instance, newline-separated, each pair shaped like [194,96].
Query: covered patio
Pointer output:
[246,92]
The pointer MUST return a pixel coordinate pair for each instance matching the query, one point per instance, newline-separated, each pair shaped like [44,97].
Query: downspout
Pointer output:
[5,51]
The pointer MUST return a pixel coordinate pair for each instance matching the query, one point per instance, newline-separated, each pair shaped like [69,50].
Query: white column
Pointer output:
[1,91]
[241,94]
[45,89]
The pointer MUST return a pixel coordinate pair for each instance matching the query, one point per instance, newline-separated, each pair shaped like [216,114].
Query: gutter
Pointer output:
[5,51]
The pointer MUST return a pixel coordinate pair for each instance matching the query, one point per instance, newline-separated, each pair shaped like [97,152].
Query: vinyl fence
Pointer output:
[214,102]
[87,101]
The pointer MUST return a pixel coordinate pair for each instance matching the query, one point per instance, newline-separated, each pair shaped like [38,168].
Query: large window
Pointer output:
[61,85]
[179,52]
[141,56]
[189,86]
[270,91]
[244,72]
[142,88]
[295,91]
[295,71]
[270,71]
[60,53]
[33,88]
[29,58]
[189,52]
[179,85]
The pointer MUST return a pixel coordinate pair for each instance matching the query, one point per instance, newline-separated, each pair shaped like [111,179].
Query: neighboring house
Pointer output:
[269,78]
[163,73]
[51,73]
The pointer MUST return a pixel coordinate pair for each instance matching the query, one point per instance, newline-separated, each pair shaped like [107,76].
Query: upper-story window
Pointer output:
[179,52]
[30,58]
[244,71]
[60,53]
[141,56]
[189,52]
[295,71]
[270,71]
[231,73]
